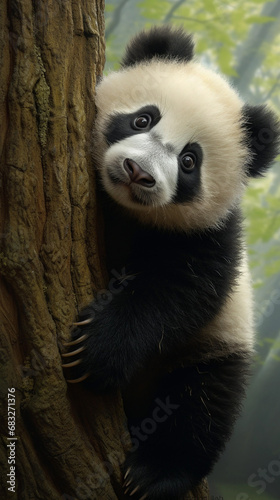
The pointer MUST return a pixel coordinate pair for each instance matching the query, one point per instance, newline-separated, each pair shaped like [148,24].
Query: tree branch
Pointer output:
[252,55]
[172,10]
[116,19]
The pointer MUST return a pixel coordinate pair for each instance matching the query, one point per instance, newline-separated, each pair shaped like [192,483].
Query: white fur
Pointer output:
[197,105]
[234,325]
[153,158]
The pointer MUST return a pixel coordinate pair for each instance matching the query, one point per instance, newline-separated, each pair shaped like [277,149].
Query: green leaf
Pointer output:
[269,340]
[110,7]
[260,19]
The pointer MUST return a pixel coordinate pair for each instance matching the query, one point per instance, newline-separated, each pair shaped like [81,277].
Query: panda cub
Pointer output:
[175,148]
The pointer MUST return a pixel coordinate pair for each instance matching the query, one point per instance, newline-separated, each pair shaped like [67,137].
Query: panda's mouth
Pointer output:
[143,200]
[138,194]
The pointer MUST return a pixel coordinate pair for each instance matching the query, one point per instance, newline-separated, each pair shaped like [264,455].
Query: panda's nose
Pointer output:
[137,174]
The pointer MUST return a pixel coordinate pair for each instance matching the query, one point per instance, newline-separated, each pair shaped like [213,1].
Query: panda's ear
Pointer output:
[263,137]
[161,42]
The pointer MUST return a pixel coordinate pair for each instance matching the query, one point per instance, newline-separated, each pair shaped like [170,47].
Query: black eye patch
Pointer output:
[122,125]
[188,183]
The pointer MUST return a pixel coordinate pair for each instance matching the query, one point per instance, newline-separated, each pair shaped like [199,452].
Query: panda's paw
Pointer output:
[86,358]
[150,481]
[73,353]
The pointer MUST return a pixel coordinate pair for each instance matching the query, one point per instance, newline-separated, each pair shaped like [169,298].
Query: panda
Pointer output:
[174,147]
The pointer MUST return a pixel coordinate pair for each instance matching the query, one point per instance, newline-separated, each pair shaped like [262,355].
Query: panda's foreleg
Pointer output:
[177,443]
[111,342]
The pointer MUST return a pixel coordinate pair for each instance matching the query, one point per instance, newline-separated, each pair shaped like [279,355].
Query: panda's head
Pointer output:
[176,144]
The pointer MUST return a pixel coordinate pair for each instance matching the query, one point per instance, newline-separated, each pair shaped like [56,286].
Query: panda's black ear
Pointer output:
[263,137]
[164,42]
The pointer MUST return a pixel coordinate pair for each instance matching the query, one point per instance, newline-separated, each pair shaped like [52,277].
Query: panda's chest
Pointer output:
[143,250]
[119,241]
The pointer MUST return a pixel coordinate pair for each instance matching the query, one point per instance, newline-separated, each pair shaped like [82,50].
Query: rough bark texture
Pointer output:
[70,442]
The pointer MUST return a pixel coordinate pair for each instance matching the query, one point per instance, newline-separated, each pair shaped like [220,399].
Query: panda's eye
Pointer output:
[142,121]
[188,162]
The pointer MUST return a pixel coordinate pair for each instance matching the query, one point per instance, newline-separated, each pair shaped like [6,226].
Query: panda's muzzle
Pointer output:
[137,175]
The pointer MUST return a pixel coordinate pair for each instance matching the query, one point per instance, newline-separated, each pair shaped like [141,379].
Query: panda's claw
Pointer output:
[73,353]
[127,483]
[77,380]
[84,322]
[73,363]
[127,473]
[134,491]
[77,341]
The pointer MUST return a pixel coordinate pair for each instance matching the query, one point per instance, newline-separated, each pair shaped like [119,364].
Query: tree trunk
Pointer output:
[68,443]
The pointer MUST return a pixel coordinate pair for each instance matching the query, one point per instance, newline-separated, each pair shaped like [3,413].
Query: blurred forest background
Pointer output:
[241,39]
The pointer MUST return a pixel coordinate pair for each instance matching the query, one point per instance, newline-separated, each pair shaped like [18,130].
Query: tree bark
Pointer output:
[69,443]
[51,54]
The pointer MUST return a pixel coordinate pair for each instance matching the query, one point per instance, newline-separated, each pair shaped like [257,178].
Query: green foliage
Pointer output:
[225,24]
[109,8]
[241,491]
[262,209]
[154,10]
[223,59]
[260,19]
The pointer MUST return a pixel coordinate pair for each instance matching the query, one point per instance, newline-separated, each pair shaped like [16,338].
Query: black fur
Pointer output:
[186,426]
[188,185]
[176,283]
[263,134]
[120,125]
[172,285]
[163,42]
